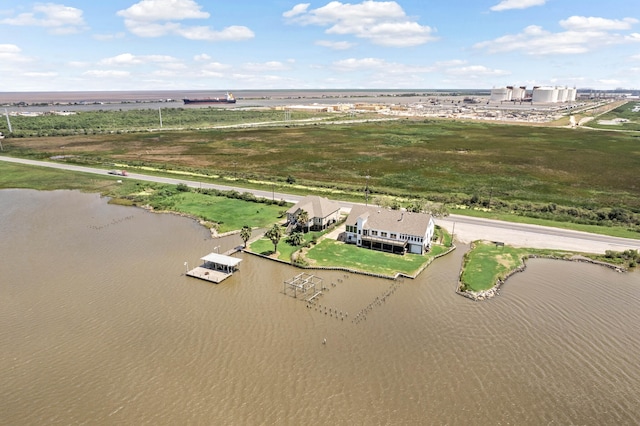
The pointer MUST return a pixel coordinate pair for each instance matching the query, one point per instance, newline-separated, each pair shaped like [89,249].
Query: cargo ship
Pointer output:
[228,99]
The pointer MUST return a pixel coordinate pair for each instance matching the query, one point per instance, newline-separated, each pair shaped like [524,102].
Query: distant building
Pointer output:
[322,212]
[393,231]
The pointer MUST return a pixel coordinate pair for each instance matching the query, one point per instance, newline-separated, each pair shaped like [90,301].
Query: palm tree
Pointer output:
[245,234]
[274,234]
[295,239]
[303,218]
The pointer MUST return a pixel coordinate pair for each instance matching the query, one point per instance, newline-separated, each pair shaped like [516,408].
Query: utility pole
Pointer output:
[366,192]
[453,232]
[160,114]
[8,121]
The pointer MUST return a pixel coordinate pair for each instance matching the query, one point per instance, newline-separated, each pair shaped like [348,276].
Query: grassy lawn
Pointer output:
[486,263]
[264,246]
[332,253]
[230,214]
[337,254]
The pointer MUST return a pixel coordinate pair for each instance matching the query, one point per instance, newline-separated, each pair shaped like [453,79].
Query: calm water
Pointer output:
[98,325]
[93,101]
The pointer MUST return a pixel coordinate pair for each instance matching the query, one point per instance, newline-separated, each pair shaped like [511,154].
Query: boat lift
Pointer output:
[303,283]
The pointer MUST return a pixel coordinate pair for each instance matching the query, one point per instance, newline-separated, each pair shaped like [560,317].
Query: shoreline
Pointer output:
[482,295]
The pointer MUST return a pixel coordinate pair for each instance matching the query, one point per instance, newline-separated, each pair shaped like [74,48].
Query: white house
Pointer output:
[322,212]
[393,231]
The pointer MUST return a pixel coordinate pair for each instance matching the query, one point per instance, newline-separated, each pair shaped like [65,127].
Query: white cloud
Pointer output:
[475,71]
[127,59]
[41,74]
[216,67]
[353,64]
[383,23]
[107,73]
[10,53]
[611,82]
[78,64]
[202,57]
[163,10]
[58,18]
[156,18]
[583,23]
[516,4]
[451,63]
[298,9]
[335,45]
[267,66]
[580,37]
[233,33]
[108,37]
[376,64]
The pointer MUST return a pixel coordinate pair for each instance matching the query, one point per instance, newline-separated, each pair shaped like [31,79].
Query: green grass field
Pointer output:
[329,252]
[625,112]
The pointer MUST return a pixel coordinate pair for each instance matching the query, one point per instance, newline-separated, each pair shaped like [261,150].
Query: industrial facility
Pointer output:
[539,94]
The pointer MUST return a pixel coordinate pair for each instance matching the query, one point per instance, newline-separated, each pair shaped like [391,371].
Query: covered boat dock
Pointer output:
[216,267]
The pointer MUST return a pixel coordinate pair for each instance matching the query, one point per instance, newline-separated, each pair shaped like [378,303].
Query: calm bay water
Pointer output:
[98,325]
[94,101]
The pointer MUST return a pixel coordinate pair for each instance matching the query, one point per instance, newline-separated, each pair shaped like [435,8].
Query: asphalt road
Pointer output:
[465,228]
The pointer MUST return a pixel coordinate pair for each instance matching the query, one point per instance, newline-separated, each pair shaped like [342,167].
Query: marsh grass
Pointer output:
[441,160]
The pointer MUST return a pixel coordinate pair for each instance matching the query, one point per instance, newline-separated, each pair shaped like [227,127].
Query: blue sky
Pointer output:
[279,44]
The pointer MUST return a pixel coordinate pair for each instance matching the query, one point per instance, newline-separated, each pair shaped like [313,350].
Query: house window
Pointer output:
[393,236]
[374,233]
[383,234]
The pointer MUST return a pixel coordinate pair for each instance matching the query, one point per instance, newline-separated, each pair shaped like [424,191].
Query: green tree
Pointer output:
[245,234]
[274,234]
[295,239]
[303,219]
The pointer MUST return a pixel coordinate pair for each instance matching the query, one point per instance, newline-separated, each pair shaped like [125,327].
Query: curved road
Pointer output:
[465,228]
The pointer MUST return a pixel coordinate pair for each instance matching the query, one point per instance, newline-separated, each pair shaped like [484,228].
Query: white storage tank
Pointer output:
[563,94]
[571,94]
[500,94]
[519,93]
[545,94]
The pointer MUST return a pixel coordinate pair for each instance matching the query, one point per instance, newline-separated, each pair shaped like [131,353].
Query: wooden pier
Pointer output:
[216,267]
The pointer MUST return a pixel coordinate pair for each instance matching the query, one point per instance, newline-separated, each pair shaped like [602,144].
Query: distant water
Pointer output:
[98,325]
[83,101]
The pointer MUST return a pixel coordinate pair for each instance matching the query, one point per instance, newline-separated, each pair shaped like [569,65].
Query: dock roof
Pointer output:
[221,259]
